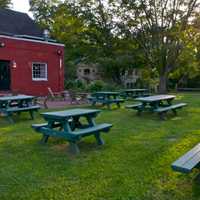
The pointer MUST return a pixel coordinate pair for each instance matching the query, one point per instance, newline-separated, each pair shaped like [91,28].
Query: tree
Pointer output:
[189,59]
[157,26]
[5,3]
[43,11]
[89,31]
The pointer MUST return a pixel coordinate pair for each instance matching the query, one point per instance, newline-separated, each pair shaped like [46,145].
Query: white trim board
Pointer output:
[30,40]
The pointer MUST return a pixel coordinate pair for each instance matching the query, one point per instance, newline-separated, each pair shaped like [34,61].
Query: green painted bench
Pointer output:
[73,136]
[188,161]
[134,93]
[17,104]
[105,101]
[173,108]
[31,109]
[67,124]
[134,106]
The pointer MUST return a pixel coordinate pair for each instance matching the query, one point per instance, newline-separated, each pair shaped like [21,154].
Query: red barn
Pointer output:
[29,61]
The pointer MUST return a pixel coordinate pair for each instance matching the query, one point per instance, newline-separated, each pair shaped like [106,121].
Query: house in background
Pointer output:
[130,78]
[30,62]
[88,72]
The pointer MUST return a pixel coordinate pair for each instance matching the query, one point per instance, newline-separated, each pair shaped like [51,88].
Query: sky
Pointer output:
[21,5]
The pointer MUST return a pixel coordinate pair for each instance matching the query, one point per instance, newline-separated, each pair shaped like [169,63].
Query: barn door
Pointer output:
[4,75]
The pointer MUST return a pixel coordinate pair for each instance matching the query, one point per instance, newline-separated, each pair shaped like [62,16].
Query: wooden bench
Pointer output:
[188,161]
[37,127]
[134,106]
[8,112]
[107,102]
[174,107]
[73,136]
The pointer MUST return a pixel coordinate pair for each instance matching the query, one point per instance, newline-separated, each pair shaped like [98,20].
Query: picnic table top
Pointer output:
[69,113]
[155,98]
[17,97]
[135,90]
[107,93]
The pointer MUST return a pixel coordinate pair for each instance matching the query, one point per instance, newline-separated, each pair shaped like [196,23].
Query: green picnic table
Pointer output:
[17,104]
[68,124]
[106,98]
[160,104]
[134,93]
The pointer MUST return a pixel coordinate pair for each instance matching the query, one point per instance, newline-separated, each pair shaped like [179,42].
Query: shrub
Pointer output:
[99,85]
[96,86]
[75,85]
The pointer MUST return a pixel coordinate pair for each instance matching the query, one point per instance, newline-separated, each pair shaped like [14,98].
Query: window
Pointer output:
[86,71]
[39,72]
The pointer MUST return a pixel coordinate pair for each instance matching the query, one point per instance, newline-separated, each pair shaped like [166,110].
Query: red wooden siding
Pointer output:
[24,53]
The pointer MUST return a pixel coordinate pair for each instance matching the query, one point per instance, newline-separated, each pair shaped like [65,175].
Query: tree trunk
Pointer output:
[163,83]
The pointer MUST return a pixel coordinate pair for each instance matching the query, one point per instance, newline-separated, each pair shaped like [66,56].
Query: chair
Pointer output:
[55,95]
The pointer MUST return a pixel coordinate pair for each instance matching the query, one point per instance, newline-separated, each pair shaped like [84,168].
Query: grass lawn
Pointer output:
[134,164]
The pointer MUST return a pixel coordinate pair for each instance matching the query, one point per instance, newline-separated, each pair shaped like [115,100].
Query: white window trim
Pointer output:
[46,72]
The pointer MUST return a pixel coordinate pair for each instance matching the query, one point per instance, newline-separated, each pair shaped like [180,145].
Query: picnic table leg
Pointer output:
[118,105]
[74,148]
[162,115]
[175,112]
[108,106]
[44,139]
[10,119]
[76,123]
[169,101]
[99,140]
[31,114]
[93,103]
[141,109]
[18,113]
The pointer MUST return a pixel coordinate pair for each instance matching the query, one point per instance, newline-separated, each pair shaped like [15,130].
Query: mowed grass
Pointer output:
[134,164]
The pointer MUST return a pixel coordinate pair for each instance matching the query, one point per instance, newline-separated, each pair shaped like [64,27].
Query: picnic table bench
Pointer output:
[134,93]
[160,104]
[68,124]
[188,161]
[17,104]
[106,98]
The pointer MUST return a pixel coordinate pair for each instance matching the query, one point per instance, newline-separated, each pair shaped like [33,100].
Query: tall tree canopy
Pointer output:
[122,34]
[5,3]
[158,26]
[43,11]
[89,30]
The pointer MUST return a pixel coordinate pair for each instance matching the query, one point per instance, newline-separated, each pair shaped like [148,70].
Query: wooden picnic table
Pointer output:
[106,98]
[17,104]
[156,100]
[68,124]
[157,103]
[134,93]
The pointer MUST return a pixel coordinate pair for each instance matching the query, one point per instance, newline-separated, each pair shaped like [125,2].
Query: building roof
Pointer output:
[17,23]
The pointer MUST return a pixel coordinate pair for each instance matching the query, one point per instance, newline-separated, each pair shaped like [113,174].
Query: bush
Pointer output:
[75,85]
[99,85]
[96,86]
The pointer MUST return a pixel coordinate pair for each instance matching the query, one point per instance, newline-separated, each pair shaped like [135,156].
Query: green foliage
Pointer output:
[134,163]
[75,85]
[158,26]
[96,86]
[188,61]
[43,11]
[5,3]
[121,35]
[86,29]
